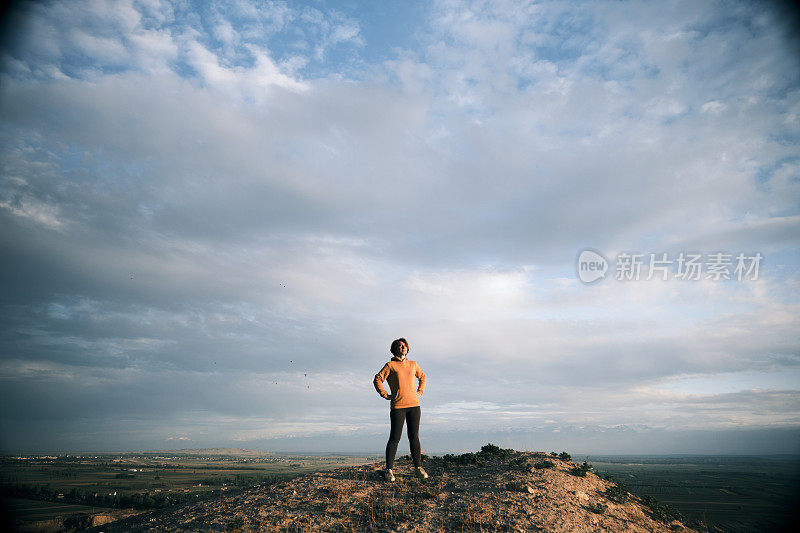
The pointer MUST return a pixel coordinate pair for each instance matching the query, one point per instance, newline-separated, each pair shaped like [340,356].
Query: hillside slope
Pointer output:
[495,491]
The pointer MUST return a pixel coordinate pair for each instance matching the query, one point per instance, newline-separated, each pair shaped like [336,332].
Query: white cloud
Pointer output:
[251,225]
[44,214]
[105,49]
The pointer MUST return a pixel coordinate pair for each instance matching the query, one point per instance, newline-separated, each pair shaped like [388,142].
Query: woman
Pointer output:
[400,373]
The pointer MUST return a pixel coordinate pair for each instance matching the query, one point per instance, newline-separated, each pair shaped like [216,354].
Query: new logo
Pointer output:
[591,266]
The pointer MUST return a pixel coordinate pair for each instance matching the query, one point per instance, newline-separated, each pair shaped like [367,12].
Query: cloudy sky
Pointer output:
[216,216]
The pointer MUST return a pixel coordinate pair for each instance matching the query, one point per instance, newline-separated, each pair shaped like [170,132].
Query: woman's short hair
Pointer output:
[396,345]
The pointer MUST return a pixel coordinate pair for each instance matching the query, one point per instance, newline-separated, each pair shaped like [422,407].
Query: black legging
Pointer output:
[411,415]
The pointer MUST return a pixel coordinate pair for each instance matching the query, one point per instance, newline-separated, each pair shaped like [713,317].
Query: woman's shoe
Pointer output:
[421,473]
[389,475]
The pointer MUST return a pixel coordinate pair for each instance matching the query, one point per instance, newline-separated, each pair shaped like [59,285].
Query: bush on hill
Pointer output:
[661,511]
[489,452]
[580,470]
[617,493]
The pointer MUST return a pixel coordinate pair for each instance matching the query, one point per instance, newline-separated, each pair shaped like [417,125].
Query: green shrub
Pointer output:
[468,458]
[545,463]
[661,511]
[516,486]
[491,450]
[488,452]
[580,470]
[606,476]
[617,493]
[519,462]
[564,456]
[699,525]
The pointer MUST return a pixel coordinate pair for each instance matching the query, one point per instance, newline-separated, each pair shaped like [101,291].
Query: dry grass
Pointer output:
[411,505]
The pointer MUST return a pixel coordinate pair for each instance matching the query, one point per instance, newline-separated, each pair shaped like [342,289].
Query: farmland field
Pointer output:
[43,487]
[142,472]
[732,493]
[35,510]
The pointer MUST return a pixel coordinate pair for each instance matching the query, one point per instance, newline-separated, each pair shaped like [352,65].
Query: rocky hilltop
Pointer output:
[493,490]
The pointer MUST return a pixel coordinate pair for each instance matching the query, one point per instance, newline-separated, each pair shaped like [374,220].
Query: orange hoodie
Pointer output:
[400,375]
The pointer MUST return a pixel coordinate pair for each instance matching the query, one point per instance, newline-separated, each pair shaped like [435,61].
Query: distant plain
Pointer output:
[36,488]
[732,493]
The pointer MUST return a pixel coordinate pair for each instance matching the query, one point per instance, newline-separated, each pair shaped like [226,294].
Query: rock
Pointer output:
[530,489]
